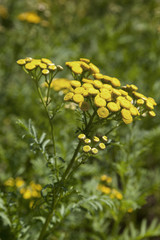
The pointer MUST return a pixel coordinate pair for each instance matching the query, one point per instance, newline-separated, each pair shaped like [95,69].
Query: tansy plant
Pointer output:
[101,102]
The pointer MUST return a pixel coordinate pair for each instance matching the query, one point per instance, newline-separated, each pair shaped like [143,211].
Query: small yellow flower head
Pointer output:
[97,83]
[43,65]
[79,90]
[36,62]
[134,111]
[115,82]
[152,113]
[123,93]
[30,17]
[152,101]
[96,139]
[102,146]
[30,66]
[107,86]
[85,93]
[94,150]
[125,103]
[45,60]
[116,92]
[77,98]
[149,105]
[99,102]
[85,66]
[139,95]
[21,62]
[104,138]
[86,80]
[52,67]
[103,112]
[93,68]
[104,178]
[93,91]
[87,85]
[129,98]
[75,83]
[98,76]
[84,106]
[77,69]
[126,116]
[104,189]
[68,96]
[113,107]
[19,182]
[10,182]
[133,87]
[130,210]
[118,195]
[87,140]
[45,71]
[27,194]
[85,60]
[81,136]
[86,148]
[105,94]
[140,101]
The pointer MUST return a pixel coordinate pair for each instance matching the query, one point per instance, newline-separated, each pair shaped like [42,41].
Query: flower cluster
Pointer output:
[106,188]
[105,94]
[61,84]
[92,145]
[27,191]
[30,17]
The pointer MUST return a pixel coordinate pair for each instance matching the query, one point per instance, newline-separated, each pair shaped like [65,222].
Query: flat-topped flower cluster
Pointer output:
[105,94]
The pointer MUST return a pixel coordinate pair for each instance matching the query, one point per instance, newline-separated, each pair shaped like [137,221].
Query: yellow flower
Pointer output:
[68,96]
[94,150]
[125,103]
[77,69]
[149,105]
[107,86]
[75,83]
[87,85]
[10,182]
[116,92]
[19,182]
[96,139]
[87,140]
[103,112]
[81,136]
[152,113]
[85,66]
[130,210]
[30,17]
[78,98]
[152,101]
[60,84]
[140,101]
[98,76]
[126,116]
[86,148]
[46,60]
[93,68]
[36,62]
[85,93]
[93,91]
[105,94]
[52,67]
[85,60]
[99,102]
[134,111]
[86,80]
[139,95]
[27,194]
[97,83]
[84,106]
[79,90]
[123,93]
[104,189]
[21,62]
[112,106]
[45,71]
[104,178]
[104,138]
[43,65]
[28,59]
[102,146]
[118,195]
[115,82]
[30,66]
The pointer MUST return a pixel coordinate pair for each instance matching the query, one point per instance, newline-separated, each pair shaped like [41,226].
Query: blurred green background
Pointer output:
[121,37]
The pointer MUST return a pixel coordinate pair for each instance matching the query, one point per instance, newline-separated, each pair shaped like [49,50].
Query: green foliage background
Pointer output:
[122,38]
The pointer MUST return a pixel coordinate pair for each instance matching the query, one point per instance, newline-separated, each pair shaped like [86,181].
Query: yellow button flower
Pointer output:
[45,71]
[112,106]
[105,95]
[126,116]
[125,103]
[30,66]
[81,136]
[99,102]
[97,83]
[107,86]
[77,69]
[93,68]
[75,83]
[149,105]
[87,85]
[134,111]
[86,60]
[94,150]
[86,80]
[78,98]
[46,60]
[140,101]
[86,148]
[43,65]
[21,62]
[68,96]
[116,92]
[123,93]
[93,91]
[87,140]
[152,101]
[152,113]
[85,93]
[79,90]
[104,138]
[103,112]
[115,82]
[102,146]
[96,139]
[98,76]
[52,67]
[85,66]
